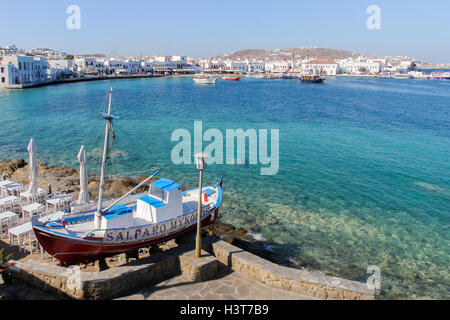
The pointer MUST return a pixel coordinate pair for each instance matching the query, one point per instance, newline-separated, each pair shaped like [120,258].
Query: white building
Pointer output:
[277,67]
[61,68]
[193,65]
[18,70]
[114,66]
[179,61]
[169,64]
[327,67]
[9,50]
[147,66]
[361,65]
[89,65]
[256,66]
[236,66]
[133,66]
[217,65]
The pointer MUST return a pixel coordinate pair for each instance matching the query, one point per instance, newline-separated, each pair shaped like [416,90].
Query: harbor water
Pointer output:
[364,171]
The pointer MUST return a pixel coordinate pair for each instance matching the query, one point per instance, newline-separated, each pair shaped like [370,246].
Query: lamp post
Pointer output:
[200,161]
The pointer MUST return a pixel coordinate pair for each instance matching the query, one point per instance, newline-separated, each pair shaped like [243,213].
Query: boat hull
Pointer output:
[205,81]
[319,80]
[233,79]
[73,251]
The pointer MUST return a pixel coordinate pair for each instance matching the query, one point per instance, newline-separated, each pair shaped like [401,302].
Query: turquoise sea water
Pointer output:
[364,174]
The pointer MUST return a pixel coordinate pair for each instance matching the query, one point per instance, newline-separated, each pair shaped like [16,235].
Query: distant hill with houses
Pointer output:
[276,54]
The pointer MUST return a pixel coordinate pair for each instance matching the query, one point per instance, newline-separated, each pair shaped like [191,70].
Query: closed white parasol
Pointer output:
[83,197]
[32,165]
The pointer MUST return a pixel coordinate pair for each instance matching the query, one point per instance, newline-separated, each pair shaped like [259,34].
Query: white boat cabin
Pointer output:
[164,201]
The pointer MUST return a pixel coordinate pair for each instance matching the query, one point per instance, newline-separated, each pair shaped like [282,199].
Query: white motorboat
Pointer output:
[205,79]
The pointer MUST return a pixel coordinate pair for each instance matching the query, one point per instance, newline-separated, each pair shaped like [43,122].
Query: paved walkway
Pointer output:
[19,291]
[227,285]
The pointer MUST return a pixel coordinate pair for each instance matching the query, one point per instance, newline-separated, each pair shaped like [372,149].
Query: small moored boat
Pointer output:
[233,78]
[205,79]
[312,79]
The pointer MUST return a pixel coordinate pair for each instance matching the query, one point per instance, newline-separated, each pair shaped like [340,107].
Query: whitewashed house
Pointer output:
[256,66]
[115,66]
[9,50]
[282,66]
[361,65]
[327,67]
[60,69]
[90,66]
[194,66]
[18,70]
[236,66]
[133,66]
[179,61]
[147,66]
[217,65]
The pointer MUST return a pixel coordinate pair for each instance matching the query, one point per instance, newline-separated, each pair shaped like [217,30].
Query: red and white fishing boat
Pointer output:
[95,230]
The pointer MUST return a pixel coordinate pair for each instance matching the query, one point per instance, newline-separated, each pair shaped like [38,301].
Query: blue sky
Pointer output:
[202,28]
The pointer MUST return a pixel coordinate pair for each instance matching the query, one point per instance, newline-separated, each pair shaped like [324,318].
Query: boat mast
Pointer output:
[293,60]
[108,120]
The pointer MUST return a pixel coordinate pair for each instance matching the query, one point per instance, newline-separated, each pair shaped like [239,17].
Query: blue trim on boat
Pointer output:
[156,203]
[219,195]
[165,184]
[55,224]
[209,192]
[55,232]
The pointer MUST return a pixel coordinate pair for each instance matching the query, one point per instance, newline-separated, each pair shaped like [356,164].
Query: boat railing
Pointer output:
[80,208]
[205,207]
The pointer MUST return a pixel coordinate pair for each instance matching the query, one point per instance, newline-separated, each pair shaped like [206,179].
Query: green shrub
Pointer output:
[4,261]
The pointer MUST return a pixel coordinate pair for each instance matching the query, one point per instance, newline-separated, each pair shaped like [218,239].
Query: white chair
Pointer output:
[14,221]
[9,205]
[31,243]
[4,227]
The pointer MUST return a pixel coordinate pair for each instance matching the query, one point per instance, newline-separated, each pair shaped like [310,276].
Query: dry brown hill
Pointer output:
[274,54]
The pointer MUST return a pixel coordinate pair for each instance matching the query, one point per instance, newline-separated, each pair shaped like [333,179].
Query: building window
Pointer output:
[3,80]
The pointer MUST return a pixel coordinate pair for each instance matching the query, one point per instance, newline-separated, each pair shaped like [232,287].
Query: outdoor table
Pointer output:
[5,219]
[20,232]
[7,214]
[56,201]
[27,196]
[13,189]
[14,199]
[32,208]
[5,183]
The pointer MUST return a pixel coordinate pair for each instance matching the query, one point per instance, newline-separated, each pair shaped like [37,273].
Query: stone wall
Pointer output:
[77,284]
[301,281]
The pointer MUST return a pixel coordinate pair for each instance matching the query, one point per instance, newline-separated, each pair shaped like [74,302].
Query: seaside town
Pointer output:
[22,68]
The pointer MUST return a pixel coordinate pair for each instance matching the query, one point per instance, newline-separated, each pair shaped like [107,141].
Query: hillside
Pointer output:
[274,54]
